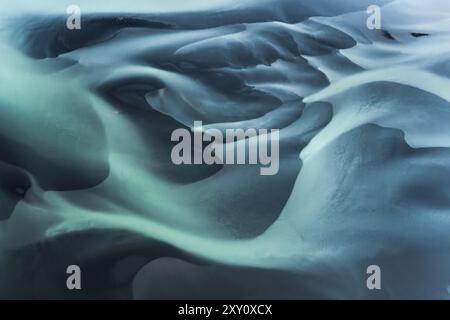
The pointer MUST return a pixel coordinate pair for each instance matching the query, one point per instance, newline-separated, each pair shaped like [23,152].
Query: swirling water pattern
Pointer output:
[86,176]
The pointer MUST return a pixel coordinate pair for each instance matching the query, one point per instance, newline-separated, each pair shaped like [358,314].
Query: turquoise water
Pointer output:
[86,176]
